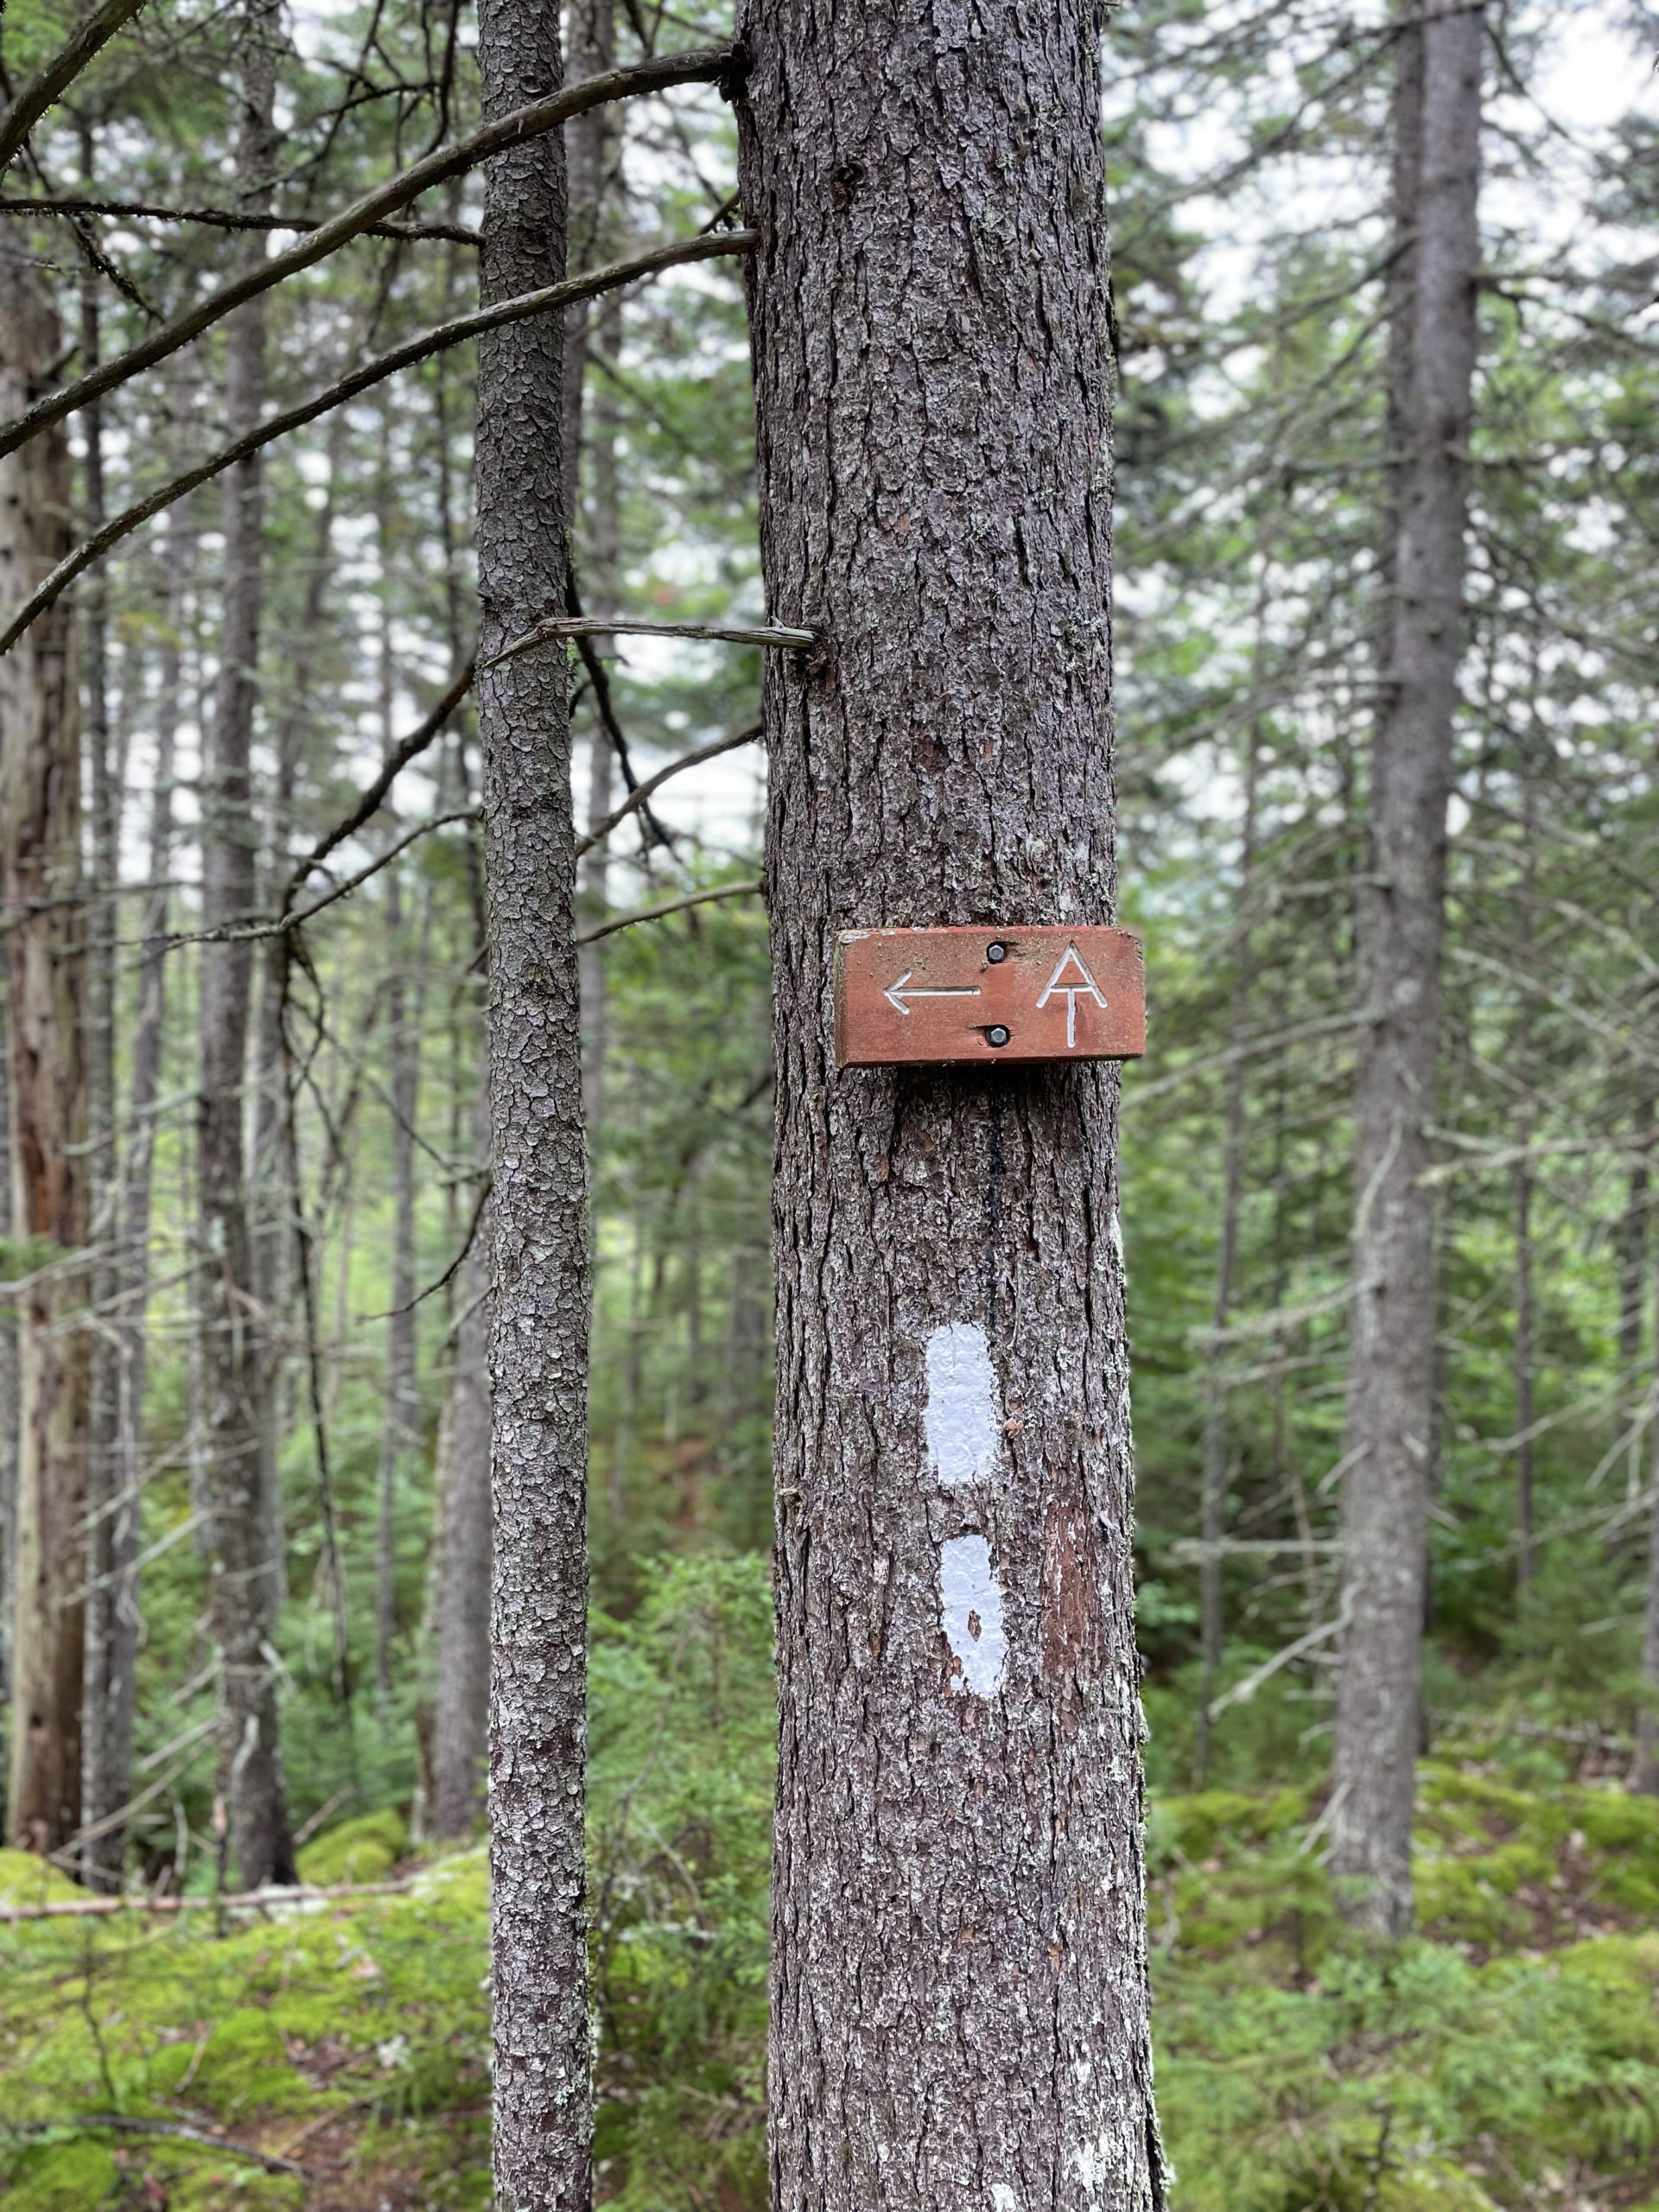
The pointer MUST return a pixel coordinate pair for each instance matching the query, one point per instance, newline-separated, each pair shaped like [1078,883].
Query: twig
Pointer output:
[44,86]
[175,2129]
[304,1833]
[247,932]
[223,218]
[412,351]
[599,626]
[637,797]
[415,744]
[673,906]
[450,1272]
[702,66]
[605,706]
[1241,1693]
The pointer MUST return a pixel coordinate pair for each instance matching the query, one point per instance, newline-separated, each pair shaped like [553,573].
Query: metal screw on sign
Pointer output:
[997,1035]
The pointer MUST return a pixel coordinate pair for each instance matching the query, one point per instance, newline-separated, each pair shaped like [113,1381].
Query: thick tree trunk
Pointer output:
[40,861]
[1385,1495]
[959,2012]
[543,2067]
[244,1570]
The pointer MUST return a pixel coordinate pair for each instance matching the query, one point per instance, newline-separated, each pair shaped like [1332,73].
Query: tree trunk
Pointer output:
[8,1420]
[1401,915]
[236,1397]
[1644,1775]
[131,1271]
[400,1435]
[39,858]
[959,2004]
[459,1730]
[110,1654]
[543,2065]
[1218,1437]
[604,544]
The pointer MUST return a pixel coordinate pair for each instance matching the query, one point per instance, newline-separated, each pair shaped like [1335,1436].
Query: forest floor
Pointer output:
[1507,2056]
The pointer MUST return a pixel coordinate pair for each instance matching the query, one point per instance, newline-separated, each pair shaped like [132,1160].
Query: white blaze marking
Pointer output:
[964,1418]
[1081,984]
[1003,2198]
[971,1613]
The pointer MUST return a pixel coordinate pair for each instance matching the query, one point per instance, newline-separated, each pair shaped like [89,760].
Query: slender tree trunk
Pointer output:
[108,1699]
[459,1730]
[604,548]
[1402,916]
[8,1425]
[131,1285]
[1218,1437]
[244,1570]
[40,861]
[590,143]
[543,2065]
[959,2004]
[401,1428]
[1644,1775]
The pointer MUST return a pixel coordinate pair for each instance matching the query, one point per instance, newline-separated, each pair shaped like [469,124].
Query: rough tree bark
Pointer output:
[543,2089]
[243,1570]
[40,861]
[959,2006]
[1401,915]
[7,1416]
[1644,1773]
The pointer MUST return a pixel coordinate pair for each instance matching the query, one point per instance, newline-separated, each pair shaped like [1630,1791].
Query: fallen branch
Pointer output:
[673,906]
[637,798]
[413,350]
[173,2128]
[599,626]
[244,1900]
[702,66]
[61,72]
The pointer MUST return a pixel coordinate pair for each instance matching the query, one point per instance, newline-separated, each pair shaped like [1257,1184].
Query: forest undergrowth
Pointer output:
[334,2055]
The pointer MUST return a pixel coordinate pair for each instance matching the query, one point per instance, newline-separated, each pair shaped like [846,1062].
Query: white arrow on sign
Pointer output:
[896,993]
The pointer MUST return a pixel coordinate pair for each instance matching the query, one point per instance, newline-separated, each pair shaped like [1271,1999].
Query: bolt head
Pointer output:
[998,1035]
[996,953]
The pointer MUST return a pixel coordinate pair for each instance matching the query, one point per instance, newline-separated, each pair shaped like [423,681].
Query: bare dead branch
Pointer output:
[637,798]
[415,744]
[597,625]
[412,351]
[175,2129]
[702,66]
[44,86]
[673,906]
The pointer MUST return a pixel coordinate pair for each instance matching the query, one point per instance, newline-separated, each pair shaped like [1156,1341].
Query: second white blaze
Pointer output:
[962,1418]
[971,1613]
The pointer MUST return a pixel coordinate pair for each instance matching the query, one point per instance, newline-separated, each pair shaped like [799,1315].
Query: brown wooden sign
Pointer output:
[989,993]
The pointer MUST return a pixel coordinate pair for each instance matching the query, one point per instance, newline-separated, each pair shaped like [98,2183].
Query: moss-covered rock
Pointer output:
[363,1850]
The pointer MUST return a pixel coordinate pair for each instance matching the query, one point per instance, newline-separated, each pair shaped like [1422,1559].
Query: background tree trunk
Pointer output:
[40,857]
[959,2012]
[461,1694]
[1401,914]
[236,1397]
[542,2089]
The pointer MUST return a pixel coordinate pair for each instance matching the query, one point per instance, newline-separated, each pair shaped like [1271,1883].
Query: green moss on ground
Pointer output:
[1506,2058]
